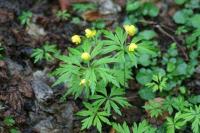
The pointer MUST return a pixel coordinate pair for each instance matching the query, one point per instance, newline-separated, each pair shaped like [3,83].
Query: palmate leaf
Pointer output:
[174,123]
[107,76]
[93,117]
[117,38]
[104,60]
[64,73]
[97,49]
[47,52]
[113,40]
[110,48]
[154,108]
[192,115]
[146,48]
[121,128]
[37,54]
[143,127]
[122,75]
[91,77]
[114,100]
[70,59]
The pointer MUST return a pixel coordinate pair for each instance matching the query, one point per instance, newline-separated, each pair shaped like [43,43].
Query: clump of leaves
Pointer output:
[137,9]
[25,17]
[158,83]
[62,15]
[102,60]
[97,68]
[47,52]
[10,122]
[192,115]
[174,123]
[154,108]
[94,117]
[142,127]
[110,101]
[121,128]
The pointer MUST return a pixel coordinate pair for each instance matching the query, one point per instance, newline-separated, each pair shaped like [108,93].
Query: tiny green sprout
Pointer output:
[14,130]
[9,121]
[25,17]
[62,15]
[182,89]
[158,83]
[154,108]
[47,52]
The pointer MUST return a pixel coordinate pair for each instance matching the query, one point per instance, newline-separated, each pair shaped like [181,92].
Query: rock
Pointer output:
[36,116]
[108,7]
[35,31]
[60,121]
[43,76]
[67,117]
[46,126]
[42,91]
[198,70]
[197,83]
[13,67]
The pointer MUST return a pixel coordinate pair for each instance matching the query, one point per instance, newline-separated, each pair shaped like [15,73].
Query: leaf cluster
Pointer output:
[25,17]
[47,52]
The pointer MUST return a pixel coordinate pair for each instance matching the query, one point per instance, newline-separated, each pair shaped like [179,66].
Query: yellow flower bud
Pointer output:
[85,56]
[76,39]
[83,82]
[132,47]
[90,33]
[131,30]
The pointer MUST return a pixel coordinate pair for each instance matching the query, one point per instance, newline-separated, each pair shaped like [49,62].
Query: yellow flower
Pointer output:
[132,47]
[131,30]
[90,33]
[83,82]
[85,56]
[76,39]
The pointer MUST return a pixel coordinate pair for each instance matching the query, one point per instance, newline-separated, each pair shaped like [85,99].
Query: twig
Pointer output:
[159,27]
[170,36]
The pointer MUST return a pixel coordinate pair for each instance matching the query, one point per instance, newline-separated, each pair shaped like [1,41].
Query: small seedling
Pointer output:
[25,17]
[62,15]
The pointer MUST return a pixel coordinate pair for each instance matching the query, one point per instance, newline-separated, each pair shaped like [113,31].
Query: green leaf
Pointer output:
[150,9]
[180,18]
[144,59]
[93,117]
[194,99]
[121,128]
[114,100]
[144,76]
[147,34]
[146,93]
[143,127]
[9,121]
[132,6]
[195,19]
[180,2]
